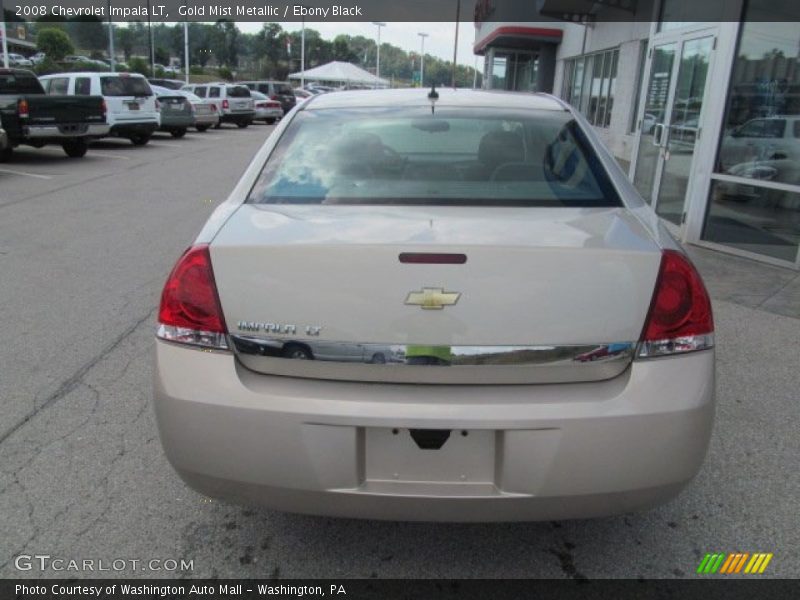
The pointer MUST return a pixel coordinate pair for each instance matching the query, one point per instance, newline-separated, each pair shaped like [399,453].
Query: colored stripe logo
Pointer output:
[734,562]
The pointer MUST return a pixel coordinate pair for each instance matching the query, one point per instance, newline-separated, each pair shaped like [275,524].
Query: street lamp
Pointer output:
[378,24]
[111,39]
[3,33]
[422,60]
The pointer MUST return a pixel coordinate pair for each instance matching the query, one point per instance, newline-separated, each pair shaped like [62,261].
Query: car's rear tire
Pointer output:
[140,139]
[178,133]
[270,121]
[243,124]
[75,148]
[6,155]
[202,128]
[218,125]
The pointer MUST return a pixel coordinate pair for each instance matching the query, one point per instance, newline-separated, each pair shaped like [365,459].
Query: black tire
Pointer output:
[6,155]
[298,351]
[202,128]
[270,121]
[218,125]
[178,133]
[140,139]
[243,124]
[75,148]
[379,358]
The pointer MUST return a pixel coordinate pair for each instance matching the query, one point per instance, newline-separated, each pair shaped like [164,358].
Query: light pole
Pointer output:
[303,54]
[111,39]
[422,60]
[455,44]
[4,34]
[152,46]
[186,48]
[378,24]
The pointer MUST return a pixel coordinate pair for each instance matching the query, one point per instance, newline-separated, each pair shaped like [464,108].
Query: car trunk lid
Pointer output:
[544,295]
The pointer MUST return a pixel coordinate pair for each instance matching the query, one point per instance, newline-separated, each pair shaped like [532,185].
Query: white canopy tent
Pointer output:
[338,72]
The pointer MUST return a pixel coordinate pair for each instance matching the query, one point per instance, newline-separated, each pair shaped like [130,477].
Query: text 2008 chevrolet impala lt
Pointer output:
[435,306]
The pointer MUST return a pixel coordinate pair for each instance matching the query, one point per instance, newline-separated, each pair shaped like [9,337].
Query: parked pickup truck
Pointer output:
[31,117]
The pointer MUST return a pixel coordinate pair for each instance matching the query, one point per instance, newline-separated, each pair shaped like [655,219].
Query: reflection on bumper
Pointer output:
[407,363]
[514,452]
[67,131]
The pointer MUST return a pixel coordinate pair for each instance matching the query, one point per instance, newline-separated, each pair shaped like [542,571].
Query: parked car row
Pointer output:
[31,116]
[72,109]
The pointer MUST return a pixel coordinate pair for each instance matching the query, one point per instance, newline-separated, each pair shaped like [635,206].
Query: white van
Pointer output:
[132,110]
[233,101]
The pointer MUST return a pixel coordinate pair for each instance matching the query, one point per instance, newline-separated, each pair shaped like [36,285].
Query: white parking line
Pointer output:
[166,145]
[107,155]
[24,174]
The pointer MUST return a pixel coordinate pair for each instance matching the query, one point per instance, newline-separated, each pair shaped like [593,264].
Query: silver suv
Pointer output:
[234,103]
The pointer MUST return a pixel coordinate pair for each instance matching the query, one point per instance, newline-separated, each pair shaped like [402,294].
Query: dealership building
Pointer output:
[704,115]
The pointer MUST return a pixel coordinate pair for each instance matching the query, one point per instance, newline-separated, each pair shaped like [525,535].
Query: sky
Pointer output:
[439,43]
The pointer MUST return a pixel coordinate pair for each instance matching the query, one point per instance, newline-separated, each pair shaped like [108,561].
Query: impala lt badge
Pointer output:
[432,298]
[284,328]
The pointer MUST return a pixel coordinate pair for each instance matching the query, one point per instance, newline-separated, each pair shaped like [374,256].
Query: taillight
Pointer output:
[214,107]
[225,104]
[23,110]
[104,106]
[190,311]
[680,317]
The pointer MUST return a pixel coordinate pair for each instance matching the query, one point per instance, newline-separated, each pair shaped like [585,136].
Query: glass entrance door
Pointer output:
[670,123]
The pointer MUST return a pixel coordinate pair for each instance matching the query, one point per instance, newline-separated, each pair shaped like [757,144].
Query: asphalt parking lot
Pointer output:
[85,246]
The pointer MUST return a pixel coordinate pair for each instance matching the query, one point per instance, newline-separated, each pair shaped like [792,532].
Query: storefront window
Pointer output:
[589,84]
[755,196]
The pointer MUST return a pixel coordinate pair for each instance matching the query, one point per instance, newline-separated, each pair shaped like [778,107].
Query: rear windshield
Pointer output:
[124,86]
[238,91]
[19,83]
[460,157]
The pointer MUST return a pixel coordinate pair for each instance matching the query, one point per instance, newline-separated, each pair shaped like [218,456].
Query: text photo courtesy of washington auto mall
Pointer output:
[399,299]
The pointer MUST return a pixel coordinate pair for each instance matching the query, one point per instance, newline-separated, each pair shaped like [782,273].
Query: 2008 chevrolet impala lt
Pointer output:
[433,305]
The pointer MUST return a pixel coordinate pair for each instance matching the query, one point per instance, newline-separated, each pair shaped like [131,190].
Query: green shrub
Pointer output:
[225,73]
[196,70]
[48,66]
[139,65]
[55,43]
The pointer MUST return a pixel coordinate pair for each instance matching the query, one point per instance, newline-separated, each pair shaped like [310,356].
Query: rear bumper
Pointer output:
[176,122]
[533,452]
[210,119]
[237,117]
[269,113]
[66,131]
[128,129]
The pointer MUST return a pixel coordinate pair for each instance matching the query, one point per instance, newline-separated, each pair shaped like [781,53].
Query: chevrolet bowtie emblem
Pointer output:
[432,298]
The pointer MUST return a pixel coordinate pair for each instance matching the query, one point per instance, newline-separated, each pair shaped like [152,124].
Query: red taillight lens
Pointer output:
[23,110]
[225,104]
[214,107]
[680,317]
[105,108]
[190,310]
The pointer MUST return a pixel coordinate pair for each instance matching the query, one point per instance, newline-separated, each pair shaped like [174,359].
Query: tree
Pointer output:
[89,32]
[124,40]
[55,43]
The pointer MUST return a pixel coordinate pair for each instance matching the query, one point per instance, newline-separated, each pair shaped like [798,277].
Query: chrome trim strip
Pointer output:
[412,363]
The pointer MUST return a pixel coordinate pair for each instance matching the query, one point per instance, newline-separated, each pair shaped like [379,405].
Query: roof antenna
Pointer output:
[433,96]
